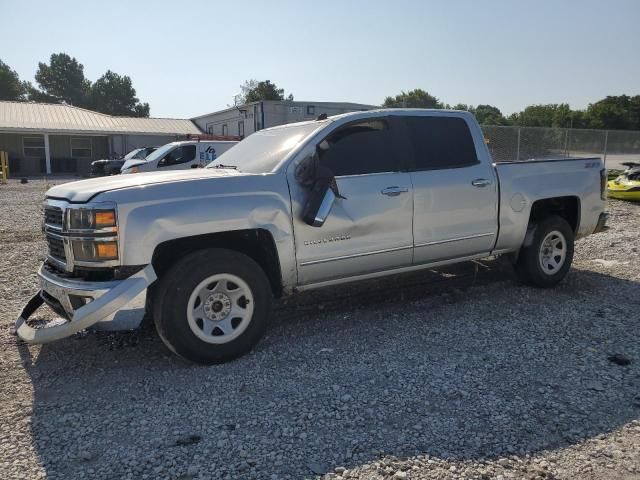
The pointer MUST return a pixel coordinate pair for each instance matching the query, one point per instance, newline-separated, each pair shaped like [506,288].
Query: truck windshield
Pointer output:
[159,153]
[262,151]
[133,154]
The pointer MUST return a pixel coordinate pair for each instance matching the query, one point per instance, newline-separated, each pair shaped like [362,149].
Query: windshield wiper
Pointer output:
[220,165]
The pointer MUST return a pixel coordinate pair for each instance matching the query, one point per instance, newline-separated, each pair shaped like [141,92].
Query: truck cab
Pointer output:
[179,155]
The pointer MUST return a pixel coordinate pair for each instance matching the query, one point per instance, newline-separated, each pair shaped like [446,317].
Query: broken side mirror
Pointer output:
[318,204]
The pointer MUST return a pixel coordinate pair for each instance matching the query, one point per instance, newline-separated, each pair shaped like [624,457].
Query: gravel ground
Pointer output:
[458,373]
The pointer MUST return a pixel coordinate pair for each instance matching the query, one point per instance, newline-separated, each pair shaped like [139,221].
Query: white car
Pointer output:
[179,156]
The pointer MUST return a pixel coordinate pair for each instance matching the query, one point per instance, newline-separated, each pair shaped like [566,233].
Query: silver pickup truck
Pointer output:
[204,252]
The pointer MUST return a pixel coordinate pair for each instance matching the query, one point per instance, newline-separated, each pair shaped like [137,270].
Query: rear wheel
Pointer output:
[548,259]
[212,306]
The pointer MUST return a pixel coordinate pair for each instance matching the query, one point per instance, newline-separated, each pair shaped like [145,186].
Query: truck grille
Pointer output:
[53,216]
[56,248]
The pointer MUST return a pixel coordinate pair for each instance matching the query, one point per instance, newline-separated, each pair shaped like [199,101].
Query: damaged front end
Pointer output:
[82,280]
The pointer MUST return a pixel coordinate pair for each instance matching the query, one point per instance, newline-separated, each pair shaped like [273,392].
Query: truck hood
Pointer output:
[85,190]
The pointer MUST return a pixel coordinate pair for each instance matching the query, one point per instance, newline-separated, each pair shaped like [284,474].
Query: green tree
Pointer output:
[489,115]
[114,94]
[62,79]
[11,88]
[550,115]
[255,91]
[615,112]
[416,98]
[463,106]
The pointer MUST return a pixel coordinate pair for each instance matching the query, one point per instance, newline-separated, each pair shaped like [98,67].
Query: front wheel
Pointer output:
[547,260]
[212,306]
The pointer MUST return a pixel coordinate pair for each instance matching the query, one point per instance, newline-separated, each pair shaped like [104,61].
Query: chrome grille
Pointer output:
[56,248]
[53,216]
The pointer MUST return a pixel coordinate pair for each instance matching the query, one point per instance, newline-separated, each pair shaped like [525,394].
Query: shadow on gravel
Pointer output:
[418,364]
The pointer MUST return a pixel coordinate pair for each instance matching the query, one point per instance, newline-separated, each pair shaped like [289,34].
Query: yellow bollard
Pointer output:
[4,166]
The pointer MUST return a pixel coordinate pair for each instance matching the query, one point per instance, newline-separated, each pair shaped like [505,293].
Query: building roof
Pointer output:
[62,118]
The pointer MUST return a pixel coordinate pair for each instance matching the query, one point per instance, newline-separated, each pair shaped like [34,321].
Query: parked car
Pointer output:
[179,156]
[298,207]
[112,166]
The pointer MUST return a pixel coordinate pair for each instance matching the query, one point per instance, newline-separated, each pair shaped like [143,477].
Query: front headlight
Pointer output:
[94,251]
[90,219]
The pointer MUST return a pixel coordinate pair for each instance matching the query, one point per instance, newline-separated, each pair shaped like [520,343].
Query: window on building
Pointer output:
[311,109]
[441,142]
[225,129]
[360,148]
[241,129]
[33,147]
[81,147]
[210,129]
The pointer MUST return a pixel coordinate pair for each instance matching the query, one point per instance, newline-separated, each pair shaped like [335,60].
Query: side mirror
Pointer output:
[319,203]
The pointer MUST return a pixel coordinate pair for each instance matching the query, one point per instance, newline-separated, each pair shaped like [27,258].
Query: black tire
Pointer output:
[172,295]
[528,266]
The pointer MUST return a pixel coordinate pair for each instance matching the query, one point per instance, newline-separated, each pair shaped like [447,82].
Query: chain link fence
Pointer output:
[509,144]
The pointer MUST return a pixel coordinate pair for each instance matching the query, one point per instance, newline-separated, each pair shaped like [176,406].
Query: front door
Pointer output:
[370,229]
[180,158]
[455,194]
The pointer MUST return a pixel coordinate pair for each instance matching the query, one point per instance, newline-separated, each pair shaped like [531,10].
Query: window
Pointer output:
[81,148]
[225,129]
[33,147]
[210,129]
[441,142]
[360,148]
[241,129]
[183,154]
[311,109]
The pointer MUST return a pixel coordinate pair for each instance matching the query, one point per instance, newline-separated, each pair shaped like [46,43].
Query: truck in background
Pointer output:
[192,153]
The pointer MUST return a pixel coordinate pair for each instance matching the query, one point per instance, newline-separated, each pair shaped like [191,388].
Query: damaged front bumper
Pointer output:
[115,305]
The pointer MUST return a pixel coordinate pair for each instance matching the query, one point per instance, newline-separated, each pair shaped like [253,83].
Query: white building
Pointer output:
[243,120]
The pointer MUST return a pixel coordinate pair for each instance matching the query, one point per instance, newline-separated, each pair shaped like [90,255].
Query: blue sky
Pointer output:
[189,58]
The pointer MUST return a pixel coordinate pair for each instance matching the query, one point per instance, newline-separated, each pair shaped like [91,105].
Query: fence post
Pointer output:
[518,147]
[606,141]
[566,140]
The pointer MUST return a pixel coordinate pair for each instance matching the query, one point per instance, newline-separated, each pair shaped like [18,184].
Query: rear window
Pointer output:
[441,142]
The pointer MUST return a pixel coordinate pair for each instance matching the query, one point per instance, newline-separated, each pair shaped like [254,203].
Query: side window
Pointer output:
[360,148]
[441,142]
[183,154]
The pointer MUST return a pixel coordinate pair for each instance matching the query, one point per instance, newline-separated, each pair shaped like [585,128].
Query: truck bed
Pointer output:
[524,182]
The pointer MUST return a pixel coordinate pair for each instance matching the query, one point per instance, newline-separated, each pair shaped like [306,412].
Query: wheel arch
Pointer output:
[567,207]
[258,244]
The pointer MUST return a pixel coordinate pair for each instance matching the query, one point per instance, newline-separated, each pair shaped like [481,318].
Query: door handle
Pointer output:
[394,191]
[481,182]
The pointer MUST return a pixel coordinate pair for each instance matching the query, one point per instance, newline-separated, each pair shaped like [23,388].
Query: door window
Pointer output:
[183,154]
[359,148]
[441,142]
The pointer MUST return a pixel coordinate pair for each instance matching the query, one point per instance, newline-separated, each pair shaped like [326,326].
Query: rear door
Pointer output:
[455,194]
[370,229]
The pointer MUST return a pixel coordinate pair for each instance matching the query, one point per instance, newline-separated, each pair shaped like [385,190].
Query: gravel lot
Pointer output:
[448,374]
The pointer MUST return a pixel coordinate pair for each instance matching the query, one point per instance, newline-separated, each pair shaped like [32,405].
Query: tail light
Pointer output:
[603,184]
